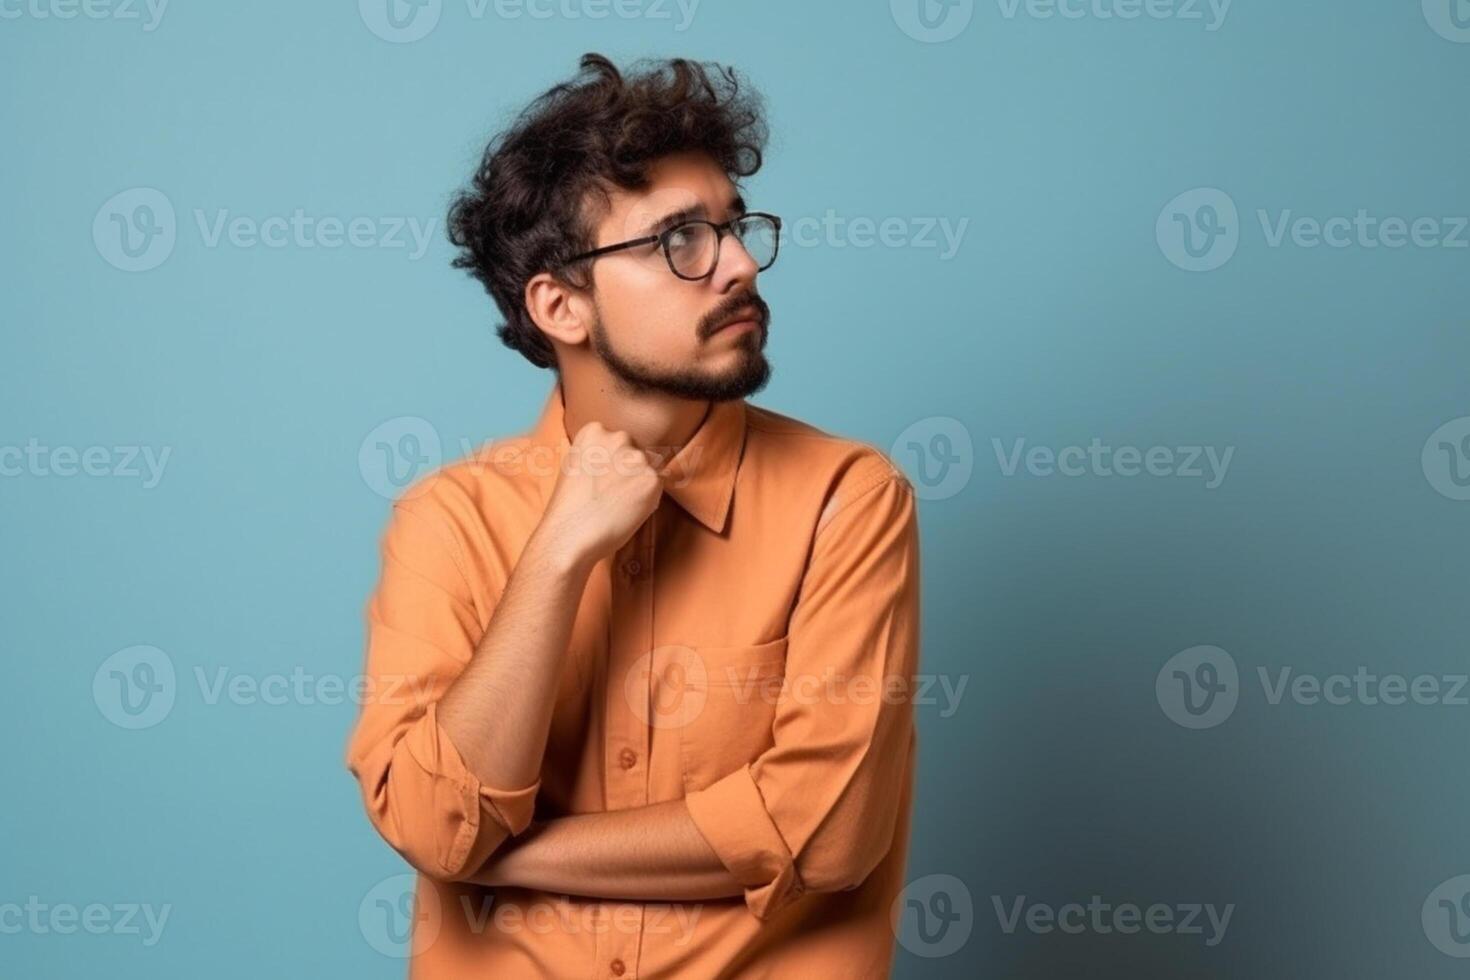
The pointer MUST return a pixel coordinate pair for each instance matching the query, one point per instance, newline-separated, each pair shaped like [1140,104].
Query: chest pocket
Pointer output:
[732,694]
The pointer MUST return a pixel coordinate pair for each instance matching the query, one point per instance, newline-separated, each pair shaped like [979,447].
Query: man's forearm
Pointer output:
[650,854]
[498,710]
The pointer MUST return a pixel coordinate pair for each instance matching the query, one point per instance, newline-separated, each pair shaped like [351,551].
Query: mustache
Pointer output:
[727,310]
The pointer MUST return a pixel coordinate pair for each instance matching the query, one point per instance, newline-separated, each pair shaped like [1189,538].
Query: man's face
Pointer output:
[660,333]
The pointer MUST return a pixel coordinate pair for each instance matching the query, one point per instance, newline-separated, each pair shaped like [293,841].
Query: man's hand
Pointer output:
[603,494]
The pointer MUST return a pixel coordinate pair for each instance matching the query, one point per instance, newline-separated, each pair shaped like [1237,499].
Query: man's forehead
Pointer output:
[683,176]
[635,213]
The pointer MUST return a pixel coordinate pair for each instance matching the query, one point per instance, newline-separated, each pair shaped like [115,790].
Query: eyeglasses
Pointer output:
[692,248]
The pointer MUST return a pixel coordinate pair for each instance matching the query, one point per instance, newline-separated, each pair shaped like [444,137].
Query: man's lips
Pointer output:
[739,325]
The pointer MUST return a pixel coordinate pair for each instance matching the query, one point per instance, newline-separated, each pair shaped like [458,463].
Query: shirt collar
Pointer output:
[700,478]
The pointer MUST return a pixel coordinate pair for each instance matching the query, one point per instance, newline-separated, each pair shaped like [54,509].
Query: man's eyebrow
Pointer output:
[735,207]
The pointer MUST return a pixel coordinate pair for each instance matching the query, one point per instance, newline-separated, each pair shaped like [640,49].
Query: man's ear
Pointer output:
[562,312]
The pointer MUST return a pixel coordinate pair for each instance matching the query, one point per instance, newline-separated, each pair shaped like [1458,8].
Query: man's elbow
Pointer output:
[842,869]
[446,843]
[449,857]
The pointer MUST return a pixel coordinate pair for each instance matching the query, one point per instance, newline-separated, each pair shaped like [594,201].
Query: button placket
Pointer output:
[625,935]
[627,730]
[627,734]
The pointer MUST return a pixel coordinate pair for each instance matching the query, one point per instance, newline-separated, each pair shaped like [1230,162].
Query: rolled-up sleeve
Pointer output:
[817,810]
[422,629]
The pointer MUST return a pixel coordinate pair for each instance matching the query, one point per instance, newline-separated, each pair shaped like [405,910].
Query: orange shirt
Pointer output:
[751,650]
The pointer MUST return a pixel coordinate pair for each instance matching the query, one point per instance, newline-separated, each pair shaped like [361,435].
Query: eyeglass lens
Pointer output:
[692,246]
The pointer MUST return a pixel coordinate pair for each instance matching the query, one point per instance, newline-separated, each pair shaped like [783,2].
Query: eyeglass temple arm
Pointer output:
[613,248]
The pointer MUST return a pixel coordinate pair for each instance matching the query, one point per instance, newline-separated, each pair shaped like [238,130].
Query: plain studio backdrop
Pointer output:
[1161,305]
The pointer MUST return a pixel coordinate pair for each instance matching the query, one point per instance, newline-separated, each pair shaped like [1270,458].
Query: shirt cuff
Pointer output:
[462,801]
[733,818]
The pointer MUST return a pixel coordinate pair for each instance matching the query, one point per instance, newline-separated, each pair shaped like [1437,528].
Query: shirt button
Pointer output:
[627,758]
[617,967]
[632,567]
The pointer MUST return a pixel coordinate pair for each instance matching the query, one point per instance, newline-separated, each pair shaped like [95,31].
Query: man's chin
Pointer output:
[751,378]
[747,379]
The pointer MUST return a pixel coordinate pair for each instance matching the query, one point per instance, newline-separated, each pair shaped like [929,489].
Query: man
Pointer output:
[663,643]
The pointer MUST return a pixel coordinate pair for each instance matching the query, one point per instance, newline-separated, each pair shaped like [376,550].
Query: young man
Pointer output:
[664,643]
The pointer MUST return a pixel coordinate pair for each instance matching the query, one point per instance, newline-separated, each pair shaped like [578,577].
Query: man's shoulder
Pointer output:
[841,467]
[490,478]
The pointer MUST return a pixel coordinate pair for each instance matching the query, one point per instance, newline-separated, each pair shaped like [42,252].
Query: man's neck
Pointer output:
[655,422]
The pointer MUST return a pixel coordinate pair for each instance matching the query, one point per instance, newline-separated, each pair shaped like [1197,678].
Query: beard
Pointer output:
[749,376]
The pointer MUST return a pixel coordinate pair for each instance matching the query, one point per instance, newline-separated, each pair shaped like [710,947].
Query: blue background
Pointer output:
[1060,319]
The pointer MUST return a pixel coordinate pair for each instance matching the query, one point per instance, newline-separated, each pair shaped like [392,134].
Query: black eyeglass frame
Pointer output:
[721,229]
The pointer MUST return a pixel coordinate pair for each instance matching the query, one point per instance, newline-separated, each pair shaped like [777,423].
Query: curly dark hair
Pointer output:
[542,185]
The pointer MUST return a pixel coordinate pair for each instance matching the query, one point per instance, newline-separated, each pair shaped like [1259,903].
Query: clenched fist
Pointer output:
[605,490]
